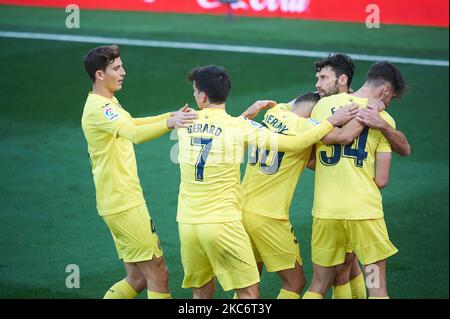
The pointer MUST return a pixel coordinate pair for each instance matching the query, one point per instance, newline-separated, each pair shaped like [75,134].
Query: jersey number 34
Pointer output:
[359,154]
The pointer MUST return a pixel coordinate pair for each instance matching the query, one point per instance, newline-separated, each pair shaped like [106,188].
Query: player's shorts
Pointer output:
[369,239]
[134,235]
[222,250]
[273,242]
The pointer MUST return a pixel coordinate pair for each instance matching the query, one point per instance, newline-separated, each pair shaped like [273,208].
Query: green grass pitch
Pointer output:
[48,217]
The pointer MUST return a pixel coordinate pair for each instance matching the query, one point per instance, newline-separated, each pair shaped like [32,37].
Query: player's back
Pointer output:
[271,176]
[210,153]
[344,182]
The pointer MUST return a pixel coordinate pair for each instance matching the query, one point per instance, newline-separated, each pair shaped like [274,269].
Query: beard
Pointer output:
[332,91]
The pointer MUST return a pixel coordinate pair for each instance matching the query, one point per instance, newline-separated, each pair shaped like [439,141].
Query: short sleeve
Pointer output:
[385,116]
[384,146]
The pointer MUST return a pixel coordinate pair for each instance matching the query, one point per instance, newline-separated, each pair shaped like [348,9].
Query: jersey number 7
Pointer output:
[206,144]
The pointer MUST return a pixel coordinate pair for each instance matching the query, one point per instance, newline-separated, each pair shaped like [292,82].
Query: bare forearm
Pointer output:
[311,164]
[397,139]
[249,113]
[257,107]
[383,166]
[312,159]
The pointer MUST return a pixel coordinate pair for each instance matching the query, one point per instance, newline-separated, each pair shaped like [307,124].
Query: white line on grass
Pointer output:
[211,47]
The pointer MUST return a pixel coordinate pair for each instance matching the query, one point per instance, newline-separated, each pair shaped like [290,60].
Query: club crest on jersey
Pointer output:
[110,114]
[313,121]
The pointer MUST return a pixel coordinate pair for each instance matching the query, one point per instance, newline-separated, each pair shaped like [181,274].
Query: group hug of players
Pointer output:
[230,229]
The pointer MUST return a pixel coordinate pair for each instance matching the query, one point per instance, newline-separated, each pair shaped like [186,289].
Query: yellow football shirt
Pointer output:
[112,157]
[210,153]
[271,177]
[344,186]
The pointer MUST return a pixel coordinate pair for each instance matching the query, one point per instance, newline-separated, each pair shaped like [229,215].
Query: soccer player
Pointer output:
[334,75]
[269,184]
[214,243]
[110,132]
[347,206]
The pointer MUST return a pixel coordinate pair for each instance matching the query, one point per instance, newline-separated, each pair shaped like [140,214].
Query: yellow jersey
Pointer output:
[271,177]
[344,186]
[112,158]
[210,153]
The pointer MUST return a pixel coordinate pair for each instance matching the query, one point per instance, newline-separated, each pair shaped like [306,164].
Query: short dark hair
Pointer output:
[313,97]
[214,81]
[340,64]
[99,58]
[387,72]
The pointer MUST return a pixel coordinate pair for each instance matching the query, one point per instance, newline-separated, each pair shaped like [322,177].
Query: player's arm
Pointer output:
[142,133]
[312,159]
[162,117]
[304,140]
[151,119]
[350,131]
[383,166]
[147,132]
[253,133]
[397,139]
[344,135]
[257,107]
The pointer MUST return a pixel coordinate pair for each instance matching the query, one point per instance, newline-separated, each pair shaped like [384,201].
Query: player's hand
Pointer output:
[376,105]
[184,109]
[181,118]
[371,117]
[344,114]
[257,107]
[265,104]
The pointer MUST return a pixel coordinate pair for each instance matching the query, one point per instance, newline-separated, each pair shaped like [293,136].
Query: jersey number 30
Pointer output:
[270,169]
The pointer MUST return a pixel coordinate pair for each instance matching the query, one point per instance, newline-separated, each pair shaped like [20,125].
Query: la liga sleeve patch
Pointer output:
[110,113]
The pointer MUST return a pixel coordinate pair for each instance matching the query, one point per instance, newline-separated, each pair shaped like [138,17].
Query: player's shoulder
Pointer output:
[95,103]
[279,110]
[328,102]
[243,122]
[336,98]
[97,106]
[388,118]
[243,125]
[282,107]
[91,107]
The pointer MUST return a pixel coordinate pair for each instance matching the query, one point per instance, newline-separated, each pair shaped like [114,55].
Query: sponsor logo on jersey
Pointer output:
[110,114]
